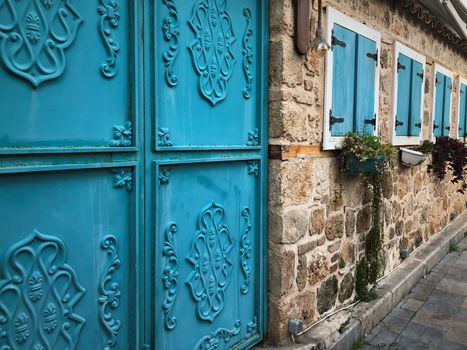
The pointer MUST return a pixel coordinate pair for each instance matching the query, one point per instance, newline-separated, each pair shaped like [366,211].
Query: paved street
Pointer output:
[433,315]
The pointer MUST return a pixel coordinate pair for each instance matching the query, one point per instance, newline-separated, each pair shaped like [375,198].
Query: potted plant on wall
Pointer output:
[364,154]
[447,153]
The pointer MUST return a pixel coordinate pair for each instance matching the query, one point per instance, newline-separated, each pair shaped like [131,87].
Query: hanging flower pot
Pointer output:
[410,157]
[355,166]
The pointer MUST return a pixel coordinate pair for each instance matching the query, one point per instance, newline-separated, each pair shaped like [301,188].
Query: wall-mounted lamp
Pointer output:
[302,29]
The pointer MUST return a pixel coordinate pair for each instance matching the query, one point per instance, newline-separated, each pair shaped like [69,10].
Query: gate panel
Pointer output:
[207,73]
[208,238]
[66,243]
[66,73]
[209,149]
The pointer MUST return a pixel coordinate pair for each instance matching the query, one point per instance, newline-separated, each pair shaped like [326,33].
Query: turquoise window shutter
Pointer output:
[404,68]
[439,104]
[415,123]
[463,111]
[447,106]
[365,117]
[343,81]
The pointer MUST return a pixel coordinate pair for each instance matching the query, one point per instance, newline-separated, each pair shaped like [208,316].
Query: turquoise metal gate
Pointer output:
[132,175]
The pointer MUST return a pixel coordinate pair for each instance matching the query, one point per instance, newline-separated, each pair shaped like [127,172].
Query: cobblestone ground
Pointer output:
[433,315]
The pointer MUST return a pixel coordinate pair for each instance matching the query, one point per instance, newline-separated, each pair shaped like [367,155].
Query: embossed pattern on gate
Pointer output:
[35,35]
[211,264]
[212,55]
[38,296]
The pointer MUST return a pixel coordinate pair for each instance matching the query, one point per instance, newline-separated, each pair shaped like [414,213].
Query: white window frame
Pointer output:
[336,17]
[462,80]
[400,48]
[443,70]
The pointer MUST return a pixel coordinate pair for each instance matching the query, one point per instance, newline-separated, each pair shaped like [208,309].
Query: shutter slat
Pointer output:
[365,98]
[463,111]
[447,106]
[439,104]
[343,81]
[403,96]
[415,126]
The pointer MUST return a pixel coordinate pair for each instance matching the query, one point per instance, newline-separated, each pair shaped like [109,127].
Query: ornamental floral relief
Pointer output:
[109,293]
[38,296]
[211,51]
[34,35]
[110,18]
[212,267]
[214,340]
[170,276]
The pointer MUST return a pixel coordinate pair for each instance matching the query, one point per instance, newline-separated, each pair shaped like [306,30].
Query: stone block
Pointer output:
[327,295]
[364,219]
[335,226]
[281,272]
[318,269]
[350,222]
[347,287]
[334,247]
[317,220]
[295,224]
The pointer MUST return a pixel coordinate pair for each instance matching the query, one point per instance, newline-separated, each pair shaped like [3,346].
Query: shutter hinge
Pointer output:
[400,66]
[334,120]
[420,75]
[418,125]
[399,123]
[448,128]
[450,86]
[437,81]
[462,91]
[335,41]
[435,126]
[460,128]
[373,56]
[370,121]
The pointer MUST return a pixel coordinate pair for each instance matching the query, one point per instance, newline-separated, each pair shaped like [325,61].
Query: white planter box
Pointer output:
[410,157]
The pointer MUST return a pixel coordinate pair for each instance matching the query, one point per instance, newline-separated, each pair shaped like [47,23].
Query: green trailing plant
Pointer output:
[447,153]
[364,148]
[362,282]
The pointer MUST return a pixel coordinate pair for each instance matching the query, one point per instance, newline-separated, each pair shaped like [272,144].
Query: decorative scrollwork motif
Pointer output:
[171,31]
[164,137]
[109,293]
[211,341]
[34,36]
[110,18]
[122,135]
[170,276]
[245,250]
[253,168]
[123,179]
[211,51]
[253,137]
[252,327]
[164,175]
[248,53]
[212,267]
[38,295]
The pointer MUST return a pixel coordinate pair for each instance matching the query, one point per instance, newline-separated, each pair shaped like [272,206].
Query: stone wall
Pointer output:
[317,218]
